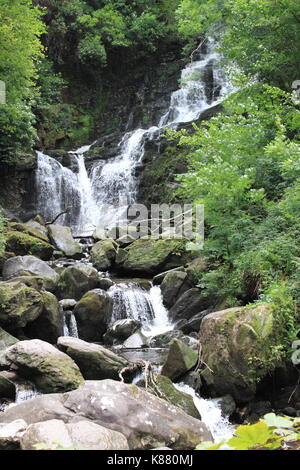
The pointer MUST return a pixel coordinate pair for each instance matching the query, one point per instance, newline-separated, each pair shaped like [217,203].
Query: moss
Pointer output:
[23,228]
[19,305]
[23,244]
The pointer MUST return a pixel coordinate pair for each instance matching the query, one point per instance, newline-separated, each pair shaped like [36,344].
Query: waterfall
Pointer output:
[202,86]
[211,414]
[24,392]
[70,324]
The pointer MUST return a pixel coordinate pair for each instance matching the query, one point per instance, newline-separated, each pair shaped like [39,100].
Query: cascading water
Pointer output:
[116,180]
[70,324]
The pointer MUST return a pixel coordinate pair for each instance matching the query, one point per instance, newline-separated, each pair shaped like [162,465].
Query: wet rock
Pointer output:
[173,286]
[49,325]
[105,284]
[121,330]
[193,324]
[63,240]
[189,304]
[135,341]
[158,279]
[131,411]
[193,380]
[77,280]
[93,315]
[180,360]
[23,244]
[31,265]
[104,254]
[83,435]
[49,369]
[228,340]
[94,361]
[19,305]
[163,340]
[228,405]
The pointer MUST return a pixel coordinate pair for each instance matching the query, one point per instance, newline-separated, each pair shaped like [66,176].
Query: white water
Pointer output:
[211,414]
[70,324]
[24,392]
[108,183]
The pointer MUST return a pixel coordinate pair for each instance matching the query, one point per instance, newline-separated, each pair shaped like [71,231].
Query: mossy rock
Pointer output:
[32,231]
[181,359]
[230,339]
[23,244]
[49,325]
[104,254]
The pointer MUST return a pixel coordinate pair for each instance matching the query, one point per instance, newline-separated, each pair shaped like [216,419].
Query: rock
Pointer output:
[105,284]
[37,225]
[68,304]
[193,380]
[35,282]
[10,434]
[136,341]
[19,305]
[227,405]
[163,340]
[121,330]
[229,339]
[158,279]
[3,258]
[83,435]
[193,324]
[94,361]
[49,369]
[150,256]
[6,340]
[23,244]
[189,304]
[174,284]
[7,388]
[36,230]
[195,269]
[104,254]
[93,315]
[49,325]
[63,240]
[31,265]
[180,360]
[77,280]
[165,389]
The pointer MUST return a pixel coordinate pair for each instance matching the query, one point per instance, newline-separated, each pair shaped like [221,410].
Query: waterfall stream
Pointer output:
[107,184]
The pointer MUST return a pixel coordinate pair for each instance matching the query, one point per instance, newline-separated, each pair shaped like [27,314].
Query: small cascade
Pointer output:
[131,301]
[70,324]
[25,391]
[211,414]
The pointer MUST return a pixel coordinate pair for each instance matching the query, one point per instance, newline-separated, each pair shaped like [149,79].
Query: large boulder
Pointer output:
[174,284]
[121,330]
[6,340]
[63,240]
[150,256]
[192,324]
[104,254]
[77,280]
[136,341]
[49,325]
[10,434]
[164,388]
[94,361]
[189,304]
[131,411]
[164,339]
[19,305]
[23,244]
[83,435]
[180,360]
[93,314]
[27,265]
[34,230]
[229,340]
[158,279]
[49,369]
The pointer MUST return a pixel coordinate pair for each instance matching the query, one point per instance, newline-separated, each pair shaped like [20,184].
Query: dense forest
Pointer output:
[59,59]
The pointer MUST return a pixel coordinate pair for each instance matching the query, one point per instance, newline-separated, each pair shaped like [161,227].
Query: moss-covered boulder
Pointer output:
[150,256]
[77,280]
[63,240]
[28,266]
[104,254]
[180,360]
[23,244]
[37,231]
[230,340]
[49,369]
[19,305]
[94,361]
[49,325]
[175,284]
[93,314]
[165,389]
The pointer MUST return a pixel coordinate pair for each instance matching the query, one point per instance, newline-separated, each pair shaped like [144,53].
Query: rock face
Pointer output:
[76,280]
[94,361]
[174,284]
[49,369]
[149,256]
[193,324]
[7,388]
[31,265]
[180,360]
[83,435]
[145,420]
[93,314]
[63,240]
[121,330]
[19,305]
[166,390]
[228,339]
[189,304]
[6,340]
[23,244]
[104,254]
[49,325]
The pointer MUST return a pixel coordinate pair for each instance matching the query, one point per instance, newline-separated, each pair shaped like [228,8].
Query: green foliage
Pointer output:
[271,433]
[2,232]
